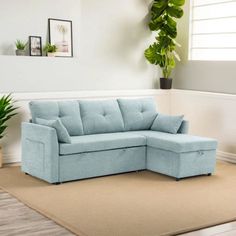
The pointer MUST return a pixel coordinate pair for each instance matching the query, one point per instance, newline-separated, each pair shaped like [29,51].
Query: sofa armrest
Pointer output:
[40,152]
[184,127]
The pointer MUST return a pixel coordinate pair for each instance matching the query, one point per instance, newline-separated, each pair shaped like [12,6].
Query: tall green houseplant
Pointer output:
[162,51]
[7,111]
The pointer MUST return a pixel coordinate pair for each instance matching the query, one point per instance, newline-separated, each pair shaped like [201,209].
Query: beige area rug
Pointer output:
[132,204]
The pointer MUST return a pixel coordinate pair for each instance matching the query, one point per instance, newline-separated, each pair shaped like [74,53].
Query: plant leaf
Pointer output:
[172,32]
[153,55]
[175,11]
[156,24]
[6,112]
[177,2]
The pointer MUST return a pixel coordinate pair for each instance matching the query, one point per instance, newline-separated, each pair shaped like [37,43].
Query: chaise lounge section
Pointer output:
[108,137]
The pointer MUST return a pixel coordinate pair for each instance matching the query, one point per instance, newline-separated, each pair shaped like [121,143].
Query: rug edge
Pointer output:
[47,215]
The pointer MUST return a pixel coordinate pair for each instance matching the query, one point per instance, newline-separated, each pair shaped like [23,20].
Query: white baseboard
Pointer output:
[10,158]
[226,156]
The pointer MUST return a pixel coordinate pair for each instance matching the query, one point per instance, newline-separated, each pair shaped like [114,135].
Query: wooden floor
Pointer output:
[16,219]
[228,229]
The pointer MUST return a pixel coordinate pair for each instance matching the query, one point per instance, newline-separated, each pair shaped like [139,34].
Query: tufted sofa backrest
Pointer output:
[98,116]
[67,111]
[101,116]
[138,114]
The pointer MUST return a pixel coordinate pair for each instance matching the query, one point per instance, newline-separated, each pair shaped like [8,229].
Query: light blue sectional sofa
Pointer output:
[109,137]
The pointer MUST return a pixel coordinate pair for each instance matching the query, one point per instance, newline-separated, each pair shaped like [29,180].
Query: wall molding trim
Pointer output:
[88,94]
[204,94]
[226,156]
[10,158]
[115,93]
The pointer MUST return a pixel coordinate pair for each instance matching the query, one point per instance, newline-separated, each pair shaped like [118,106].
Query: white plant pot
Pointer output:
[51,54]
[20,52]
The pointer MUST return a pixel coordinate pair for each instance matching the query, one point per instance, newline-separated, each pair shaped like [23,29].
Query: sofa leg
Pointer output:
[177,179]
[26,173]
[57,183]
[209,174]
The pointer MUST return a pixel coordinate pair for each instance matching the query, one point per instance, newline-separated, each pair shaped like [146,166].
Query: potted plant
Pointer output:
[7,111]
[162,51]
[50,49]
[20,47]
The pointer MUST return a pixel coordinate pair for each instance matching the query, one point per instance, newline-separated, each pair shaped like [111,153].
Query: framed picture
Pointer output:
[35,46]
[60,34]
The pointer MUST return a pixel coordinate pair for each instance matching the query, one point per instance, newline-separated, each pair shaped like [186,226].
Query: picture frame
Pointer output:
[35,46]
[61,35]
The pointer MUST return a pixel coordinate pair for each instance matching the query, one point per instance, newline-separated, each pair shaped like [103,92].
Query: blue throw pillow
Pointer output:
[167,124]
[62,134]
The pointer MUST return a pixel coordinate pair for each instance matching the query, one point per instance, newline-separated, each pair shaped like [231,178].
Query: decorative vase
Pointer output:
[165,83]
[51,54]
[20,52]
[1,157]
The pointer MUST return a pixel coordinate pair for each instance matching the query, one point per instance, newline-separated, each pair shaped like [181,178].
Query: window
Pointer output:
[212,30]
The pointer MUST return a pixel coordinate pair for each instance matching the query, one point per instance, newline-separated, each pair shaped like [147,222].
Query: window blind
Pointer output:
[212,30]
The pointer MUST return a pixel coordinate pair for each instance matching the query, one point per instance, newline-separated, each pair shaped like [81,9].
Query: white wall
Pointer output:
[214,76]
[109,40]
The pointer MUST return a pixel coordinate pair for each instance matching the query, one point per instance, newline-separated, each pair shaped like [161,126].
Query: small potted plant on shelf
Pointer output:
[162,51]
[7,111]
[50,49]
[20,47]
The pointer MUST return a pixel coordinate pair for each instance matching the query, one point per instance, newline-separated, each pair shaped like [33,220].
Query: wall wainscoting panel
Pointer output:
[11,143]
[225,156]
[210,114]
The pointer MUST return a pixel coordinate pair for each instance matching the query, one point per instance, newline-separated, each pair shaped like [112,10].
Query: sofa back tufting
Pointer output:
[102,116]
[98,116]
[138,114]
[67,111]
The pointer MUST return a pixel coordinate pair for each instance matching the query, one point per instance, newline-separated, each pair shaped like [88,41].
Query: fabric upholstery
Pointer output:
[180,165]
[101,116]
[138,114]
[67,111]
[40,150]
[99,142]
[166,123]
[179,142]
[91,164]
[99,146]
[184,127]
[62,134]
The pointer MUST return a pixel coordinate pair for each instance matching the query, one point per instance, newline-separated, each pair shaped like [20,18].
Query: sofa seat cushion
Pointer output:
[99,142]
[178,142]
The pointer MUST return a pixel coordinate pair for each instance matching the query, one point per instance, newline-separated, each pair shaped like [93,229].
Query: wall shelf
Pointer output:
[35,57]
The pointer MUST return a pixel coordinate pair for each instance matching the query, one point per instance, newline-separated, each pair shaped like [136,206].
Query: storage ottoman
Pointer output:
[180,155]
